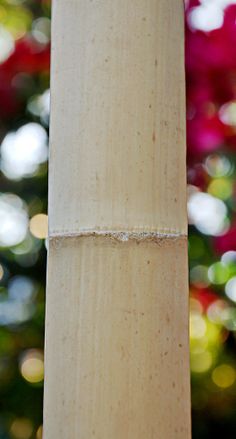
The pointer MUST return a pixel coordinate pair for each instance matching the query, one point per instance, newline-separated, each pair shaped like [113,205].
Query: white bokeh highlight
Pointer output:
[209,15]
[23,151]
[39,106]
[7,44]
[230,289]
[13,220]
[207,213]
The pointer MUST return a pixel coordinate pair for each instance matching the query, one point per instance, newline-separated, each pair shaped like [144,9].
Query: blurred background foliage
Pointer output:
[211,139]
[24,116]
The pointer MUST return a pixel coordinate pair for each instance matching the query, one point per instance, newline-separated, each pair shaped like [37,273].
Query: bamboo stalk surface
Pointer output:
[117,360]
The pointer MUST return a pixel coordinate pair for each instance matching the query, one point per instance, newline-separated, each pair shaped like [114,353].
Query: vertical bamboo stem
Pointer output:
[117,313]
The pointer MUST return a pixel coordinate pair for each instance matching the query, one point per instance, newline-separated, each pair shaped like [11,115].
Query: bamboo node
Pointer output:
[123,236]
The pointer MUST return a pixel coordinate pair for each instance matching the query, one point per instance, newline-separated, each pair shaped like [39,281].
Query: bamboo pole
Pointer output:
[117,363]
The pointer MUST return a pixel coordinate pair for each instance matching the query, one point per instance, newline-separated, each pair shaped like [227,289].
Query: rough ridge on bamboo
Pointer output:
[117,362]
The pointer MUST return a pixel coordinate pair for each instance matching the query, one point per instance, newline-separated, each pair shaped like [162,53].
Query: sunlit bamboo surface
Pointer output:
[117,360]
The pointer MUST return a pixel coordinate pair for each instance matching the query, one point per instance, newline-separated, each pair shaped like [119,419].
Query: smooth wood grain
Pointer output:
[117,359]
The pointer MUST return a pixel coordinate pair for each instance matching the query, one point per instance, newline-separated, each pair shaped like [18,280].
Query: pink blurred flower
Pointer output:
[204,135]
[227,241]
[211,82]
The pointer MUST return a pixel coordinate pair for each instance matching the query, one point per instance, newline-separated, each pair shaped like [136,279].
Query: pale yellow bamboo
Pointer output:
[117,307]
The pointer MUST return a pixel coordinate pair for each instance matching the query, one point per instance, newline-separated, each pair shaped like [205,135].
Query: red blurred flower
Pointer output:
[227,241]
[205,296]
[204,135]
[28,57]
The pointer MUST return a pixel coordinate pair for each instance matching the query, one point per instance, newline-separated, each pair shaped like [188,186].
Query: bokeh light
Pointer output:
[39,434]
[207,213]
[21,428]
[39,226]
[23,151]
[13,220]
[218,273]
[230,289]
[224,376]
[206,17]
[32,366]
[201,362]
[7,44]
